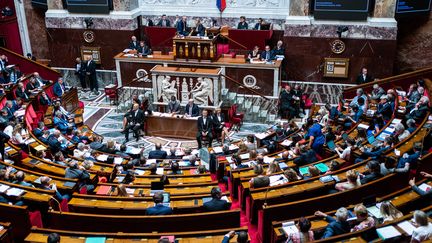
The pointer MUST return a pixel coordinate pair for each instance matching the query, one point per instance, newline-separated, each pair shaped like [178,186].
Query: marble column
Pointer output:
[384,8]
[299,8]
[22,27]
[55,4]
[125,5]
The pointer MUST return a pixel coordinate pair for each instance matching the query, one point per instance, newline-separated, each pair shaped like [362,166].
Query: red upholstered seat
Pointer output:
[64,205]
[36,219]
[222,49]
[234,117]
[111,93]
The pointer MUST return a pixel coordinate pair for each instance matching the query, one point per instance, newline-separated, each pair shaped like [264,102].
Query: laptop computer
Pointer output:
[331,145]
[371,140]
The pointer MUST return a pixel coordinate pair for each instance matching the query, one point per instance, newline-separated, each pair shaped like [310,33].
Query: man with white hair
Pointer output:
[377,92]
[133,45]
[191,109]
[336,226]
[80,151]
[279,50]
[400,132]
[420,110]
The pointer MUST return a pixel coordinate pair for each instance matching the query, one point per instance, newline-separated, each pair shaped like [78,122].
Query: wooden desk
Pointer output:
[194,47]
[172,127]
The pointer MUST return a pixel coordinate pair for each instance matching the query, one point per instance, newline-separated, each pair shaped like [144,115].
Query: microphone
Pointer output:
[58,204]
[268,188]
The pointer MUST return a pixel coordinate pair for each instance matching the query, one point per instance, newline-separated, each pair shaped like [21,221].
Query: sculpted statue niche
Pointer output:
[166,88]
[202,92]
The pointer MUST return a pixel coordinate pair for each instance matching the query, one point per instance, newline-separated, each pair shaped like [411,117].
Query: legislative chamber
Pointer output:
[215,121]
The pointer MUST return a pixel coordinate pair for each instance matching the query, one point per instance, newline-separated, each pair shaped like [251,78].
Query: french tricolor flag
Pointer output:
[221,4]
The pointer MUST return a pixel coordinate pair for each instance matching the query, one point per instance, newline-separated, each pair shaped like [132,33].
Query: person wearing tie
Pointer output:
[143,49]
[191,109]
[133,45]
[3,65]
[44,99]
[199,28]
[164,22]
[21,92]
[40,82]
[80,72]
[91,74]
[182,28]
[364,77]
[205,129]
[267,54]
[135,122]
[59,88]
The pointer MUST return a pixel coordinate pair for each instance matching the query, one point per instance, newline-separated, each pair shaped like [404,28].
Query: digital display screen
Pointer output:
[88,6]
[413,6]
[40,3]
[341,9]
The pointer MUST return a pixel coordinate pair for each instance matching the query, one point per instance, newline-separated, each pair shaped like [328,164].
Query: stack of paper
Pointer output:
[218,149]
[130,190]
[407,227]
[15,192]
[102,157]
[160,171]
[388,232]
[374,211]
[118,160]
[139,172]
[424,187]
[3,188]
[150,161]
[290,228]
[245,156]
[287,142]
[268,160]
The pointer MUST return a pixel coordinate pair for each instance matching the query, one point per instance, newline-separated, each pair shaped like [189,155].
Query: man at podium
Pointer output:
[182,27]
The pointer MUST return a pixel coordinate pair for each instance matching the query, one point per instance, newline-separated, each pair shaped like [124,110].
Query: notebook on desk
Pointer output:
[331,145]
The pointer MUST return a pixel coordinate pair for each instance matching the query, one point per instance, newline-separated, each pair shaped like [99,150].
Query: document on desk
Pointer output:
[290,227]
[102,157]
[424,187]
[363,126]
[118,160]
[218,149]
[407,227]
[160,171]
[388,232]
[262,135]
[268,160]
[15,192]
[95,240]
[3,188]
[287,142]
[245,156]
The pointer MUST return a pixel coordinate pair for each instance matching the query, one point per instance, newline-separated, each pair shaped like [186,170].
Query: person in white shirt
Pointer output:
[9,128]
[81,151]
[401,132]
[424,230]
[346,152]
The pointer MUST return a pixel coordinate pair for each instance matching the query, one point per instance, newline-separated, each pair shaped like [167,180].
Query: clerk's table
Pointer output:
[167,125]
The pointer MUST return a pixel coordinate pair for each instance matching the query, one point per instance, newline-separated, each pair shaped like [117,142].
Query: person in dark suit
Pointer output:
[182,28]
[242,25]
[420,109]
[91,74]
[307,156]
[135,122]
[373,173]
[59,89]
[158,208]
[191,109]
[173,106]
[158,153]
[40,82]
[287,100]
[267,54]
[3,70]
[81,72]
[364,77]
[31,86]
[216,204]
[199,28]
[53,141]
[242,237]
[133,45]
[21,92]
[39,130]
[279,50]
[31,57]
[143,49]
[384,109]
[205,127]
[164,22]
[424,194]
[44,99]
[336,226]
[258,25]
[60,123]
[4,138]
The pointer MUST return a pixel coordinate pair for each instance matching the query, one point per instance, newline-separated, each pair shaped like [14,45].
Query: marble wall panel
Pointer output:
[98,23]
[384,8]
[36,28]
[55,4]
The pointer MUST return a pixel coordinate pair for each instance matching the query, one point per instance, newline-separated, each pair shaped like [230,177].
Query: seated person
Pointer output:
[216,204]
[41,154]
[158,153]
[259,24]
[133,44]
[353,181]
[19,136]
[172,153]
[45,184]
[359,94]
[182,28]
[164,21]
[175,169]
[242,25]
[307,156]
[400,132]
[345,153]
[355,115]
[20,179]
[153,168]
[173,106]
[279,50]
[336,226]
[159,208]
[60,123]
[409,161]
[80,151]
[420,109]
[273,168]
[59,88]
[373,172]
[423,232]
[417,189]
[260,180]
[389,212]
[304,234]
[291,175]
[40,82]
[411,124]
[312,172]
[375,152]
[384,109]
[129,177]
[60,159]
[44,99]
[44,137]
[267,54]
[191,109]
[377,92]
[135,122]
[219,127]
[199,28]
[412,96]
[31,86]
[255,53]
[242,237]
[21,92]
[143,49]
[205,128]
[365,221]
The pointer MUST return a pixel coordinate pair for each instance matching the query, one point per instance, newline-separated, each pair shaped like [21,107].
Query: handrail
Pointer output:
[34,62]
[230,39]
[242,85]
[391,79]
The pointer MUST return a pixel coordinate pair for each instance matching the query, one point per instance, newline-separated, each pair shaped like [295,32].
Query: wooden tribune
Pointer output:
[194,47]
[172,127]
